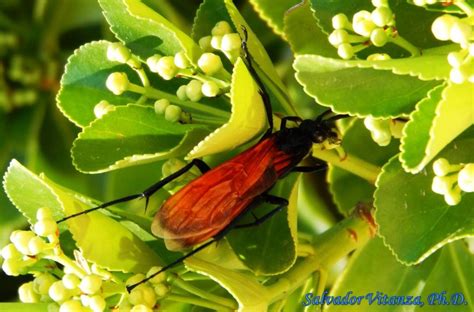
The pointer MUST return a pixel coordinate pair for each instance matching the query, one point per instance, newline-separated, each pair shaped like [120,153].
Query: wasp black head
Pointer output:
[320,131]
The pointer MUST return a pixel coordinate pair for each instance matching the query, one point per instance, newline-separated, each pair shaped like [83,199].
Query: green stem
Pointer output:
[199,302]
[349,163]
[203,294]
[463,5]
[337,242]
[402,42]
[143,77]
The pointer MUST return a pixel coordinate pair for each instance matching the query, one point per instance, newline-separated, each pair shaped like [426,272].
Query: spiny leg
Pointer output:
[202,166]
[319,167]
[263,92]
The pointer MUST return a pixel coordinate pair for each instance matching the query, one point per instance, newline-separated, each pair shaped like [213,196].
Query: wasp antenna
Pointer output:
[322,115]
[337,117]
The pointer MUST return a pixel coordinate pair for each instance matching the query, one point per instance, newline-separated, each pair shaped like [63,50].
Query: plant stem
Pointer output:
[402,42]
[350,163]
[203,294]
[337,242]
[199,302]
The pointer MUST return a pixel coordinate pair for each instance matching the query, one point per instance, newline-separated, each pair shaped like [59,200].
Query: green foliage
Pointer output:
[407,106]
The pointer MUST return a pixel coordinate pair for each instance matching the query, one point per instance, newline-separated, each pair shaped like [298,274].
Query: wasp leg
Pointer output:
[319,167]
[275,200]
[202,166]
[289,118]
[263,92]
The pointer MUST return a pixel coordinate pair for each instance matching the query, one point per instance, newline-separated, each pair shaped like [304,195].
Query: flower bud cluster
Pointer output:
[171,112]
[222,38]
[374,27]
[382,130]
[459,30]
[452,179]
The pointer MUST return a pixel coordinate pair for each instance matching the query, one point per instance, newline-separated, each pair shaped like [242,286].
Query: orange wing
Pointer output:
[208,204]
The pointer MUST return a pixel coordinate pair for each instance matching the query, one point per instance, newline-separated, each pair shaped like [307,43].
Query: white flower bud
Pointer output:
[162,276]
[205,43]
[58,292]
[43,282]
[460,31]
[441,167]
[161,105]
[10,252]
[210,89]
[216,42]
[340,21]
[364,27]
[382,16]
[118,52]
[466,178]
[21,239]
[97,303]
[338,36]
[419,2]
[378,37]
[453,197]
[181,93]
[441,185]
[442,25]
[90,284]
[143,294]
[361,15]
[193,90]
[117,83]
[36,245]
[345,51]
[380,3]
[71,306]
[71,281]
[471,49]
[455,59]
[378,57]
[102,108]
[382,138]
[459,75]
[137,278]
[173,113]
[45,227]
[27,294]
[12,267]
[44,214]
[181,60]
[141,308]
[161,290]
[221,28]
[152,62]
[230,42]
[166,67]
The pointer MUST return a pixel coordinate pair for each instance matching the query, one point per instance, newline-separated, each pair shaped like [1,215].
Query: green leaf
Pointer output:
[145,31]
[346,188]
[29,193]
[270,248]
[432,127]
[21,307]
[347,88]
[428,221]
[83,83]
[304,34]
[273,12]
[131,135]
[250,295]
[248,117]
[374,268]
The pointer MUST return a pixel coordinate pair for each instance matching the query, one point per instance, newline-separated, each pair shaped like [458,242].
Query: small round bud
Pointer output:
[143,294]
[181,93]
[345,51]
[380,3]
[152,62]
[442,25]
[193,90]
[21,239]
[364,27]
[117,83]
[27,294]
[361,15]
[118,52]
[181,61]
[141,308]
[221,28]
[12,267]
[161,105]
[137,278]
[338,36]
[45,227]
[419,2]
[173,113]
[466,178]
[455,59]
[205,43]
[382,138]
[230,42]
[216,42]
[459,75]
[210,89]
[453,197]
[10,252]
[340,21]
[382,16]
[161,290]
[160,277]
[102,108]
[378,57]
[90,284]
[441,167]
[378,37]
[58,292]
[71,281]
[471,49]
[460,31]
[43,282]
[44,214]
[441,185]
[97,303]
[71,306]
[36,245]
[166,68]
